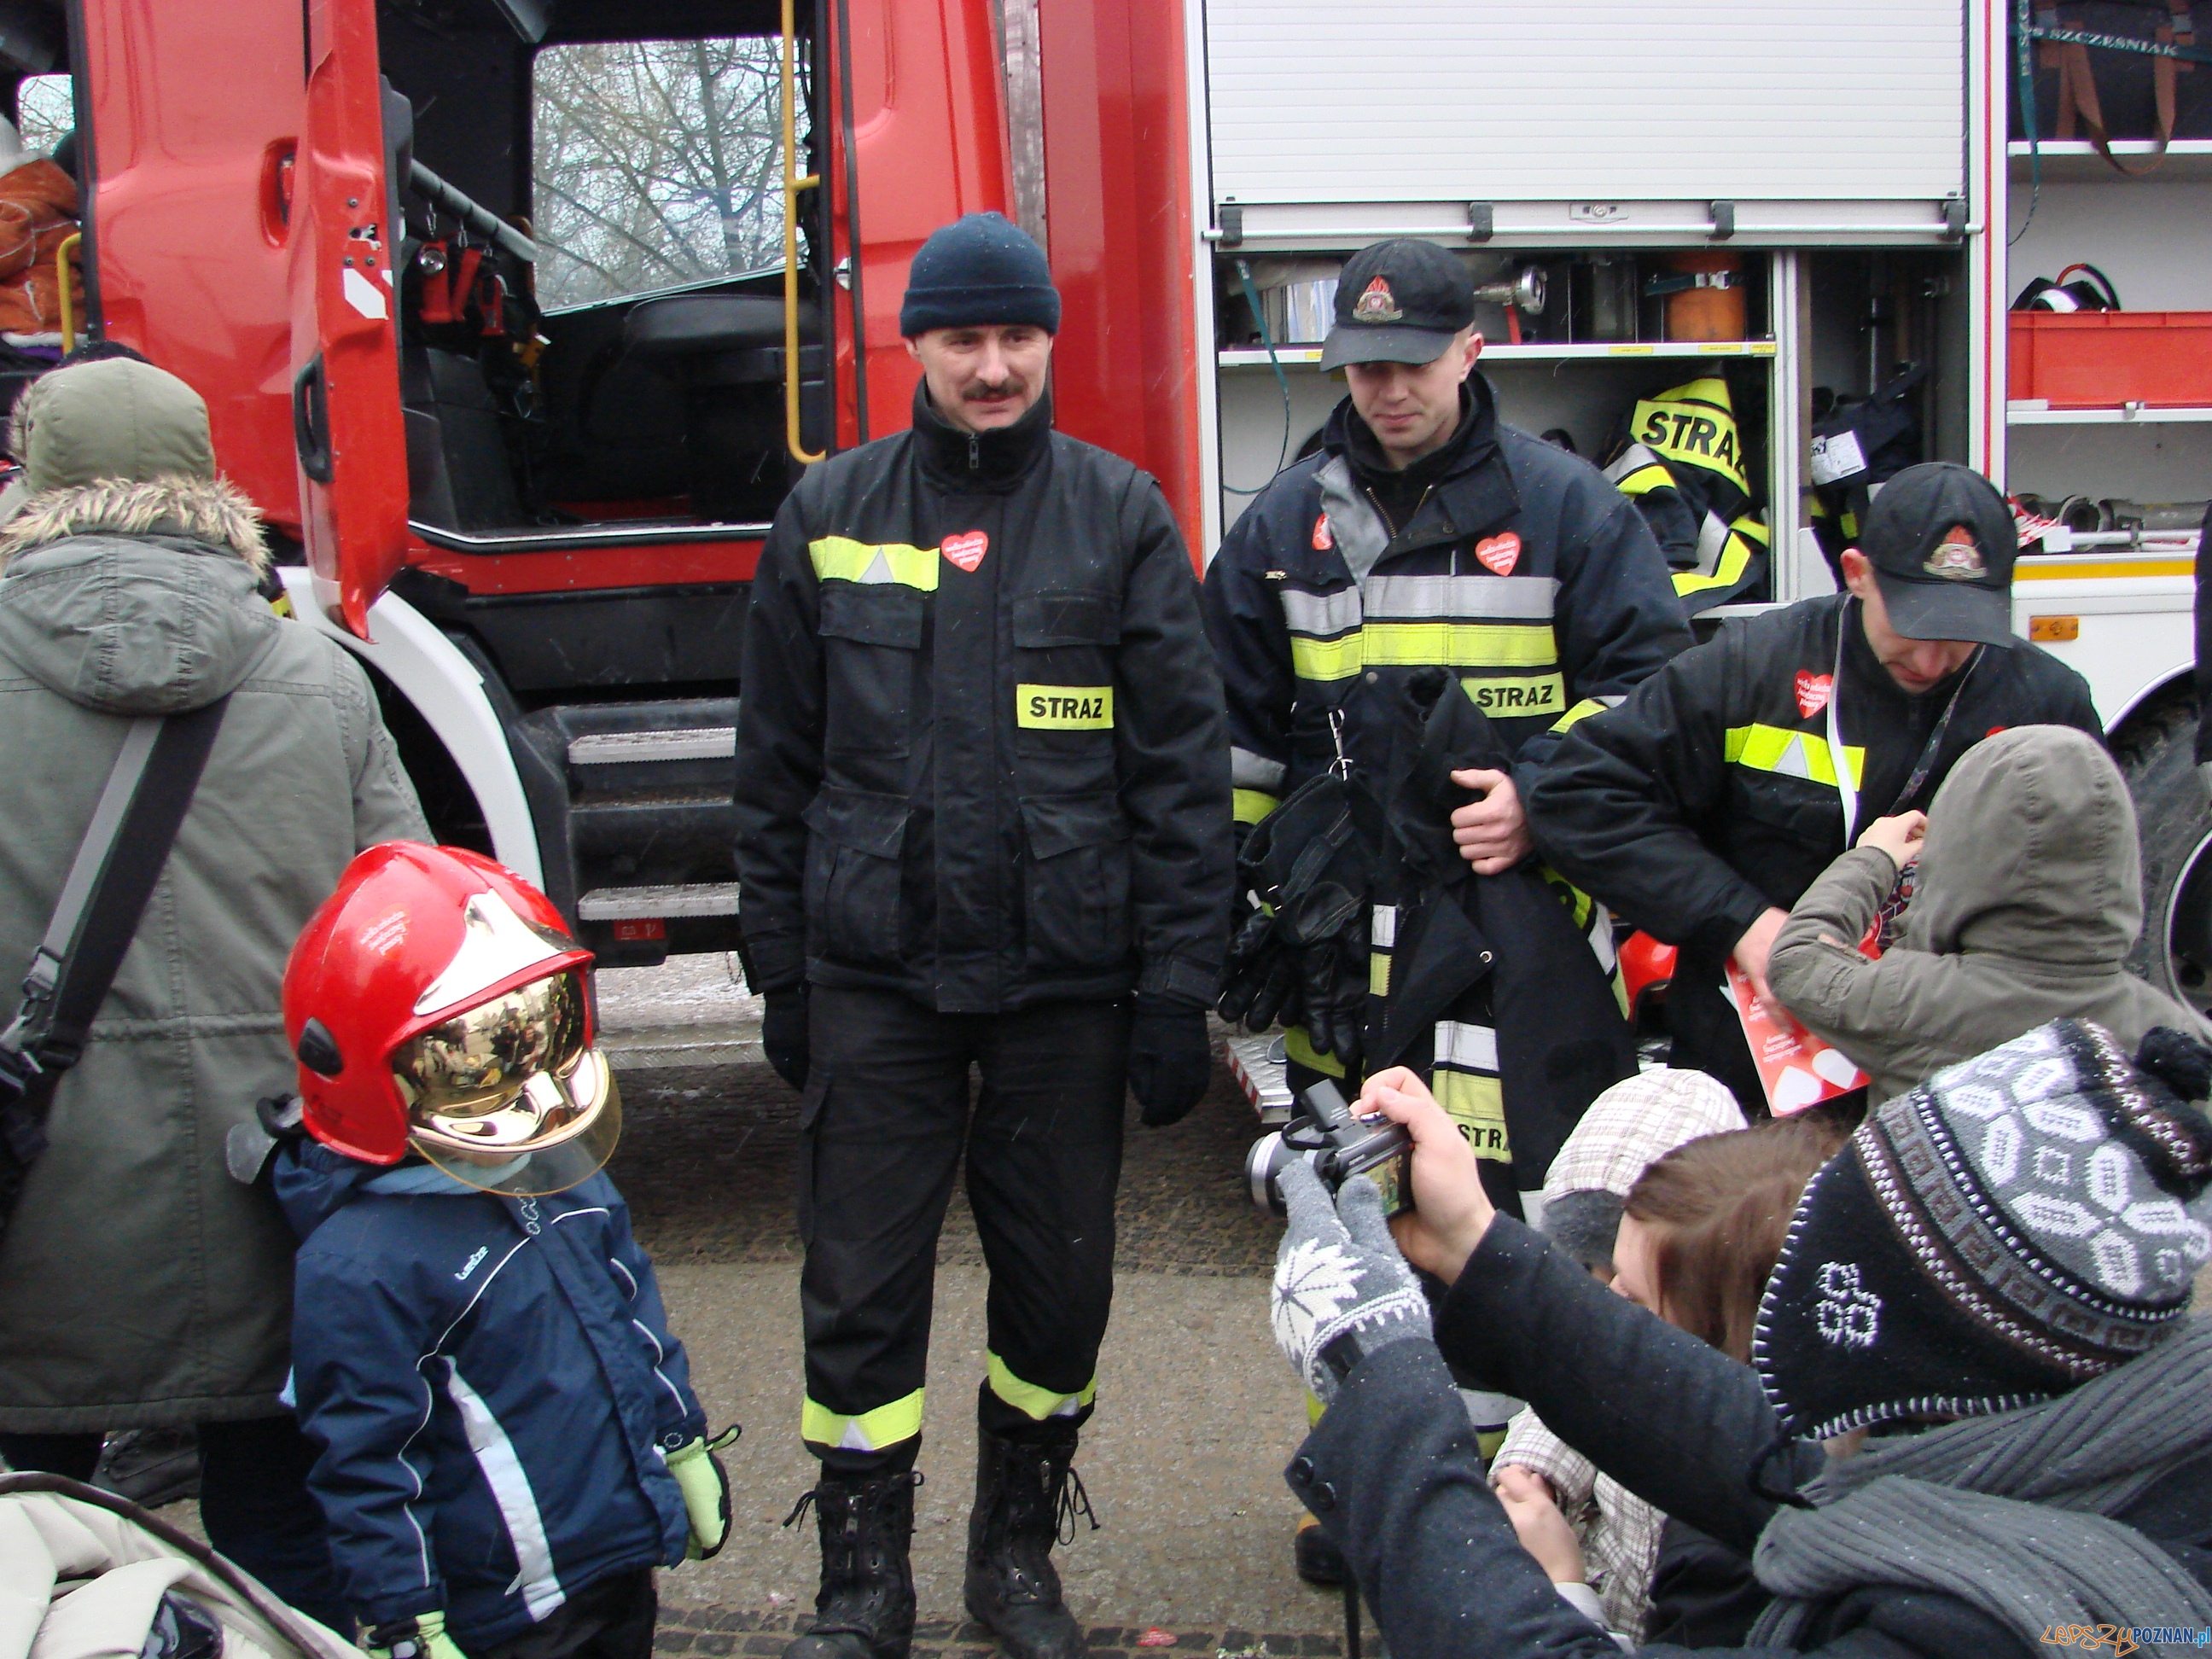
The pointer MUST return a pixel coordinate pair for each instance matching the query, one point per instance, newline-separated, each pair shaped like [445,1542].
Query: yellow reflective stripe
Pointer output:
[840,558]
[1477,1105]
[871,1431]
[1734,560]
[1789,754]
[1580,711]
[1250,805]
[1514,699]
[1424,644]
[1325,660]
[1751,525]
[1314,1409]
[1064,708]
[1378,974]
[1644,480]
[1037,1403]
[1297,1049]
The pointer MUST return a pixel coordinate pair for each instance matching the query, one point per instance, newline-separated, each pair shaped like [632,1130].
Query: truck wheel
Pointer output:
[2157,754]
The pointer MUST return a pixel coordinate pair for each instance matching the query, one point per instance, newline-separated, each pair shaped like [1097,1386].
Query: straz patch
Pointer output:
[1813,691]
[1701,437]
[1064,708]
[1503,699]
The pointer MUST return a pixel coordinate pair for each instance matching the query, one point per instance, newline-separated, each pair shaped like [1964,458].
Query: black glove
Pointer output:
[783,1034]
[1259,979]
[1334,970]
[1170,1059]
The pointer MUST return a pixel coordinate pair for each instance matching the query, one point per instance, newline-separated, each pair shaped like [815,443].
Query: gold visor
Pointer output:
[506,1098]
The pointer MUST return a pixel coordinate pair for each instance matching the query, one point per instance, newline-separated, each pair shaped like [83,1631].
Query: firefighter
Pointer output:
[1705,805]
[1683,465]
[1425,534]
[983,819]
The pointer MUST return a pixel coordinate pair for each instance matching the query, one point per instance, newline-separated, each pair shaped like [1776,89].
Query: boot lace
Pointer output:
[1068,1500]
[812,1496]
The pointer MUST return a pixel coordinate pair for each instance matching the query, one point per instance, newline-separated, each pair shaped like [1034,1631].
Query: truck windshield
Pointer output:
[44,111]
[657,163]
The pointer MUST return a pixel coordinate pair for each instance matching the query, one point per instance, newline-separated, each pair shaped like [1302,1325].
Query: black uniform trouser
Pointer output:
[885,1117]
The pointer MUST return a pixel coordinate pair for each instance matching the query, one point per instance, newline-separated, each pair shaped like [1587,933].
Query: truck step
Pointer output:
[628,748]
[704,898]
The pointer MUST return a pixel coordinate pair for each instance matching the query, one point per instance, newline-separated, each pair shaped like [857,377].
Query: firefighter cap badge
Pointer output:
[1377,304]
[1957,557]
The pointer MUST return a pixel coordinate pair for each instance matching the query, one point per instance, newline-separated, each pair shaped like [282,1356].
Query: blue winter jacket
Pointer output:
[493,1389]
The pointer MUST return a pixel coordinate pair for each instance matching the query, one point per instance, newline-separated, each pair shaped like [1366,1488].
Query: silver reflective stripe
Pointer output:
[1634,459]
[1712,541]
[1383,927]
[1460,598]
[1353,523]
[510,1490]
[1601,939]
[1321,614]
[1249,771]
[1471,1048]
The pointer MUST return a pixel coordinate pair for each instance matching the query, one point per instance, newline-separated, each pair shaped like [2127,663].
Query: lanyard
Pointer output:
[1845,786]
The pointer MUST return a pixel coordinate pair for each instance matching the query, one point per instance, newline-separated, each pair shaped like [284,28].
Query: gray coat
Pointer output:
[2029,899]
[139,1283]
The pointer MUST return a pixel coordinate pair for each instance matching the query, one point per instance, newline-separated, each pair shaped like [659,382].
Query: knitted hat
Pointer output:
[2014,1226]
[982,268]
[1632,1124]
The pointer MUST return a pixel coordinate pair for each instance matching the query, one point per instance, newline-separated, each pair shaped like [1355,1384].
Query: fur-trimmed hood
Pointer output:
[211,510]
[135,599]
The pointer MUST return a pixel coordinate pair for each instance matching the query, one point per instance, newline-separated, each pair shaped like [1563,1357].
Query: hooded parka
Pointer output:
[980,757]
[140,1285]
[2027,900]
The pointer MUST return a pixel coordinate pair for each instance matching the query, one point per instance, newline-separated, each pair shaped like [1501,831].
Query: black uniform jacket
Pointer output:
[1710,794]
[980,752]
[1521,570]
[1394,1475]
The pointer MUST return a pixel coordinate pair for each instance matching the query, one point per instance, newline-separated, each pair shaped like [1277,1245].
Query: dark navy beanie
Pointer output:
[982,268]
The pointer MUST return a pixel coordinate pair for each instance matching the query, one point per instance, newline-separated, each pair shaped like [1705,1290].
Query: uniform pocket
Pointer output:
[1077,882]
[1064,687]
[871,637]
[853,912]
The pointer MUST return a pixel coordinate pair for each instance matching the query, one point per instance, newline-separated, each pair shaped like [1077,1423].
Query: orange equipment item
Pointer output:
[38,213]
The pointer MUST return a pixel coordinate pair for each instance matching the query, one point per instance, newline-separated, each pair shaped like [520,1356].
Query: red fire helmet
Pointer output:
[436,1005]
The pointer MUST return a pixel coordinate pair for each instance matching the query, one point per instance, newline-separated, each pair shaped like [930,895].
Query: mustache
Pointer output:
[979,392]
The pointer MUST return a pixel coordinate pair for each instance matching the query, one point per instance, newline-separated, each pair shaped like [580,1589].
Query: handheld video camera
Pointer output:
[1339,1144]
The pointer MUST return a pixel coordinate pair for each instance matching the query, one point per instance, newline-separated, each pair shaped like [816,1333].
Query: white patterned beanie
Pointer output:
[2019,1223]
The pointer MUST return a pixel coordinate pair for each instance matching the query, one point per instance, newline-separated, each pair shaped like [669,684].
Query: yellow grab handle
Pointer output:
[793,184]
[70,244]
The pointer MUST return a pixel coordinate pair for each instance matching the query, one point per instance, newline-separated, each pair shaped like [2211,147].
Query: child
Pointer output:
[2028,900]
[509,1440]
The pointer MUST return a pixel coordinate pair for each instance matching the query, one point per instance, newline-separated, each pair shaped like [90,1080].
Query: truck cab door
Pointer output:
[346,420]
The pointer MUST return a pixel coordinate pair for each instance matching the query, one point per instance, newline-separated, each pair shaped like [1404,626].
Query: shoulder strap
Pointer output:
[125,848]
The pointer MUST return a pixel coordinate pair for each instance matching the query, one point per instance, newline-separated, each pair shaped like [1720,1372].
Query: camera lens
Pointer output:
[1268,1155]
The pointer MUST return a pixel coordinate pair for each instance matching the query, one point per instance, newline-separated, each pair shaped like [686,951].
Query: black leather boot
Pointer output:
[1025,1494]
[864,1609]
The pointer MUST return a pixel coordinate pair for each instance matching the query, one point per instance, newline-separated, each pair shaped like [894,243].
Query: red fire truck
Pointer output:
[518,317]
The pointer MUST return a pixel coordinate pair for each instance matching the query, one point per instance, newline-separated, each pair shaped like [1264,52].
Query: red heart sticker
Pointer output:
[1813,691]
[1322,540]
[967,548]
[1499,553]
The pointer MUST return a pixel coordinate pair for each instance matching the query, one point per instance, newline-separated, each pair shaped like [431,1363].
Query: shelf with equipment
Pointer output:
[2076,161]
[1302,357]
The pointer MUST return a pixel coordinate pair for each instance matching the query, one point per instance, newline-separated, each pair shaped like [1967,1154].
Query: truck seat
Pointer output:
[726,351]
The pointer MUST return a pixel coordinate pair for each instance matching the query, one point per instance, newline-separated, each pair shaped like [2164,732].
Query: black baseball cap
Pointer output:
[1941,541]
[1399,302]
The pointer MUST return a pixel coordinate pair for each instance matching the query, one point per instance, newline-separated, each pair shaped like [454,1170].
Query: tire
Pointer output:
[2157,755]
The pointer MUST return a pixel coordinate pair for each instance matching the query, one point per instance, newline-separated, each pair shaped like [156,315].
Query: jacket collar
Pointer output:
[980,463]
[1471,492]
